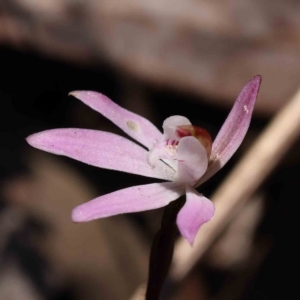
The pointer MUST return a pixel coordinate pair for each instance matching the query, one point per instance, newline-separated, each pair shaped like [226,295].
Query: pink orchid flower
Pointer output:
[183,155]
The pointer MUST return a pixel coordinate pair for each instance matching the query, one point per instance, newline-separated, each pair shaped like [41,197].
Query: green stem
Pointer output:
[162,250]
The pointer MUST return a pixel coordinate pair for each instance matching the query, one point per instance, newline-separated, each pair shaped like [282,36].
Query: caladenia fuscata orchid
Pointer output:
[183,154]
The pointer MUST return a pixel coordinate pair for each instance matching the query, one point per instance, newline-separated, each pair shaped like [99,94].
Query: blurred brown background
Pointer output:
[156,58]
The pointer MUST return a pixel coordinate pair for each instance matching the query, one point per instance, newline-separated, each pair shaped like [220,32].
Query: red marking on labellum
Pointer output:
[199,133]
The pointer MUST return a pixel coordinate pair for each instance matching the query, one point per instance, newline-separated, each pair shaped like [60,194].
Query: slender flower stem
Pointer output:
[162,250]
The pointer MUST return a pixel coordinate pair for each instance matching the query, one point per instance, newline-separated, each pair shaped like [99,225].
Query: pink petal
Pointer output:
[100,149]
[134,125]
[196,211]
[133,199]
[234,128]
[192,160]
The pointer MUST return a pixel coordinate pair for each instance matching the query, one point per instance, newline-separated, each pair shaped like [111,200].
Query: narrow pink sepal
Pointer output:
[196,211]
[133,199]
[234,128]
[100,149]
[134,125]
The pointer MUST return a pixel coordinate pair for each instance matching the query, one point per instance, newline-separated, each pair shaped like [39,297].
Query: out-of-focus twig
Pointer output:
[139,293]
[235,247]
[251,171]
[242,182]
